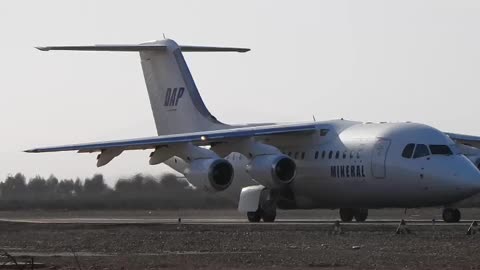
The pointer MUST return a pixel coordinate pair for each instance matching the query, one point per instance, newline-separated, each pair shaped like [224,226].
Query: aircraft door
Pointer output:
[379,157]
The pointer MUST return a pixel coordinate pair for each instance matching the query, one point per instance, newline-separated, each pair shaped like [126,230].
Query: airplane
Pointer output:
[338,164]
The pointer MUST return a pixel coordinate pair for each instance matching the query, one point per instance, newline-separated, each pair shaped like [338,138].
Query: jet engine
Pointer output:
[210,174]
[272,171]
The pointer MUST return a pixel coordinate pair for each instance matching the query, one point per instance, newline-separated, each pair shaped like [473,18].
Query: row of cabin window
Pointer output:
[295,155]
[324,154]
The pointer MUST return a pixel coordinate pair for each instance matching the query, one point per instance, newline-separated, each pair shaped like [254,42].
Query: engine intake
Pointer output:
[272,170]
[210,174]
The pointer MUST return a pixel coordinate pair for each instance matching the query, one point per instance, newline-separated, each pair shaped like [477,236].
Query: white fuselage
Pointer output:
[332,164]
[361,165]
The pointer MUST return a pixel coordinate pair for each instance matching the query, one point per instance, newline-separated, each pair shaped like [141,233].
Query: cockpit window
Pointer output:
[440,150]
[454,149]
[408,150]
[421,151]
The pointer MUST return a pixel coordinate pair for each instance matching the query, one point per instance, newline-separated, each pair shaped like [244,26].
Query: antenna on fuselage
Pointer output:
[313,116]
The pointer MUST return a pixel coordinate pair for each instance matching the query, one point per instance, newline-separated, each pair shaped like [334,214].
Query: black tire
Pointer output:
[346,214]
[458,215]
[361,215]
[254,216]
[451,215]
[269,216]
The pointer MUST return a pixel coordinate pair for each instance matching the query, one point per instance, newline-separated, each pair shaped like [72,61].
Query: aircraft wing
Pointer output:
[197,138]
[465,139]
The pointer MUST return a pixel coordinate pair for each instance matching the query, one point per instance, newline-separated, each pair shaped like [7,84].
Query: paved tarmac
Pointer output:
[220,221]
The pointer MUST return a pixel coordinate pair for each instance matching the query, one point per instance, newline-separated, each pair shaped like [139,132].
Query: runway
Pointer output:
[421,217]
[223,221]
[224,239]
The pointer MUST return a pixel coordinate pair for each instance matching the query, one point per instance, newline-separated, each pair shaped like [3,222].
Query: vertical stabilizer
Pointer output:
[176,103]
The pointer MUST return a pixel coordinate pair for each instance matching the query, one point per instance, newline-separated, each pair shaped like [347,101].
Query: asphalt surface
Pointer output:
[231,217]
[222,221]
[224,239]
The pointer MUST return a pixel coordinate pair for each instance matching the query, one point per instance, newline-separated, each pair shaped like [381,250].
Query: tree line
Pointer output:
[137,192]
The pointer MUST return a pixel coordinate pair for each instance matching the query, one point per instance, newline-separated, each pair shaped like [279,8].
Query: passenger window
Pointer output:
[323,154]
[303,155]
[330,155]
[351,155]
[408,150]
[344,154]
[289,154]
[358,155]
[440,150]
[421,151]
[316,155]
[337,154]
[296,155]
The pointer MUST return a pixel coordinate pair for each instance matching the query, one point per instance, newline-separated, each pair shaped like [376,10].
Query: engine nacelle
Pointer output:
[272,171]
[210,174]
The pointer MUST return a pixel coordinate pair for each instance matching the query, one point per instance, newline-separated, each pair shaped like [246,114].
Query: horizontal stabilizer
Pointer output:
[108,48]
[186,48]
[140,47]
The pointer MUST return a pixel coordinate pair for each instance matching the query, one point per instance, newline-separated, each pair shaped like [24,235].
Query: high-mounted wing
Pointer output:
[465,139]
[197,138]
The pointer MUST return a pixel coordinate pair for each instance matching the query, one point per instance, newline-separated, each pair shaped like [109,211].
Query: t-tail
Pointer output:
[176,103]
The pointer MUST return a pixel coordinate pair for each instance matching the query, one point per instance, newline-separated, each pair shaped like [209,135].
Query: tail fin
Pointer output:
[176,103]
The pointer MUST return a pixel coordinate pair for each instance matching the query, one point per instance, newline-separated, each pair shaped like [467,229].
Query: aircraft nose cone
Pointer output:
[470,176]
[475,182]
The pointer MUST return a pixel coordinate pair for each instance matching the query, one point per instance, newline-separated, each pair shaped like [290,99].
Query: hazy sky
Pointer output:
[361,60]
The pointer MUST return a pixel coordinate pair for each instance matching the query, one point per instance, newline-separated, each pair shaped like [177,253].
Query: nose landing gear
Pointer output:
[451,215]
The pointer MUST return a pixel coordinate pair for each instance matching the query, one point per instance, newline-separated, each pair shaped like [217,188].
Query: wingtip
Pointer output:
[44,49]
[30,151]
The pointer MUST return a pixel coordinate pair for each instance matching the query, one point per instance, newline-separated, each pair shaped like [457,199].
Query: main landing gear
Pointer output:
[267,210]
[347,214]
[451,215]
[267,216]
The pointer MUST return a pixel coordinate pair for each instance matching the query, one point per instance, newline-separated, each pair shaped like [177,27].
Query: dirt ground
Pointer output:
[240,246]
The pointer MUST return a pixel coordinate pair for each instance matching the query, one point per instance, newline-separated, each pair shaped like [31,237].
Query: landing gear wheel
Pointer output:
[346,214]
[254,216]
[268,206]
[451,215]
[361,214]
[269,216]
